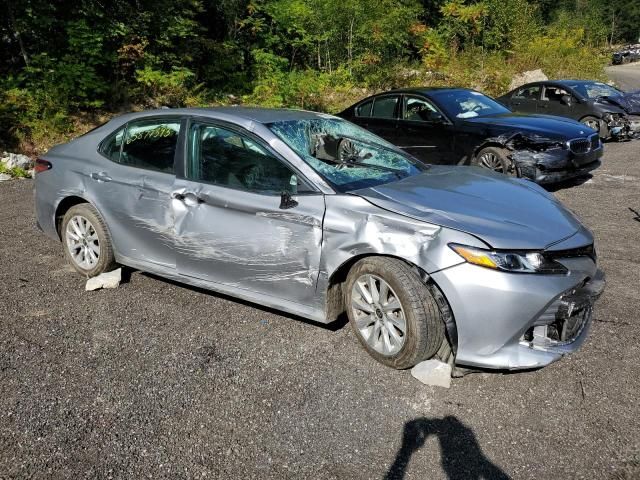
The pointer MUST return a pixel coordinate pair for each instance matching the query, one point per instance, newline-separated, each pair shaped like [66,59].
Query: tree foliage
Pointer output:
[61,59]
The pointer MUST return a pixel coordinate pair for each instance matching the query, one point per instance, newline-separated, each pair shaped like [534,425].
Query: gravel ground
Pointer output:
[159,380]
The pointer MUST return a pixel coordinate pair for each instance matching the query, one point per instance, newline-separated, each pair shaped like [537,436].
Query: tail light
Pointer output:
[42,165]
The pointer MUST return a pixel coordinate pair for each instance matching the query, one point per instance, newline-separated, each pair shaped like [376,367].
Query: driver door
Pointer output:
[234,226]
[551,102]
[424,132]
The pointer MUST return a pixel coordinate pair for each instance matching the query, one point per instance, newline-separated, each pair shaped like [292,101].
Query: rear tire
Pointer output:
[86,241]
[496,159]
[402,309]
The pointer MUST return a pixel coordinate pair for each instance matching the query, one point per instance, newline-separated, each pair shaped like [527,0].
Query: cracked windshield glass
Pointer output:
[347,156]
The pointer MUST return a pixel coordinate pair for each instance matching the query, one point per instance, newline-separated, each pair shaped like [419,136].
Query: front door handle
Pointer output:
[100,177]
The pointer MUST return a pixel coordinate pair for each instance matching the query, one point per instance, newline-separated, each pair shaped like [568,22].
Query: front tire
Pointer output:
[392,312]
[496,159]
[86,241]
[597,125]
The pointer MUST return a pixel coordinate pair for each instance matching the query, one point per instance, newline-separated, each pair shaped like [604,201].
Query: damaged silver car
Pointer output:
[312,215]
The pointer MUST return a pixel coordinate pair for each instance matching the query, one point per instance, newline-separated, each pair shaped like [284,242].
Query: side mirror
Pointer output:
[566,99]
[286,201]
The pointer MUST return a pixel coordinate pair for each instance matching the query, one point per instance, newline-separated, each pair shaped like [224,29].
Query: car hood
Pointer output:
[543,125]
[629,102]
[504,212]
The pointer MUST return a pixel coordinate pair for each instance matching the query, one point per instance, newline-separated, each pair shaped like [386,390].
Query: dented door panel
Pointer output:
[247,241]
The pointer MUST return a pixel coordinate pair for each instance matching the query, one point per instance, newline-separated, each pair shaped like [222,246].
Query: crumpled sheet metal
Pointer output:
[530,152]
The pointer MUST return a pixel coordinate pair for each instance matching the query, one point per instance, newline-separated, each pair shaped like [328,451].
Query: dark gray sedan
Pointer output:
[315,216]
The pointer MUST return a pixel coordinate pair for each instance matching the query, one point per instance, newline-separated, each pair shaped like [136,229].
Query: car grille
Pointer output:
[586,251]
[580,145]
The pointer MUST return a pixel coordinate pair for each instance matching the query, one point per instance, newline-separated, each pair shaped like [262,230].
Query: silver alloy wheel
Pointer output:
[491,161]
[593,124]
[82,242]
[378,314]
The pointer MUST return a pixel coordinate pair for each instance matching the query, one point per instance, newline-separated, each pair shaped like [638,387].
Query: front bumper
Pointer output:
[556,165]
[624,128]
[520,321]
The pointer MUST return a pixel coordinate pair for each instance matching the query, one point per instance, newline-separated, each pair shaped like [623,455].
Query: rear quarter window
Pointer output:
[364,109]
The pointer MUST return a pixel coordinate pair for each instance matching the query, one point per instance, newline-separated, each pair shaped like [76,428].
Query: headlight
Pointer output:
[519,262]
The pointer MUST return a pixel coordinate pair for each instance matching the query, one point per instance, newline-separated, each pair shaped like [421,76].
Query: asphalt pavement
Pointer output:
[627,77]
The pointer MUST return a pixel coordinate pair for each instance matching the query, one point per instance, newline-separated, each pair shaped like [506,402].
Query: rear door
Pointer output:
[423,131]
[379,115]
[244,217]
[133,191]
[526,99]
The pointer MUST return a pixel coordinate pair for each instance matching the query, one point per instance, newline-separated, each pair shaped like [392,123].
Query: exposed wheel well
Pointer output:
[336,296]
[63,208]
[486,145]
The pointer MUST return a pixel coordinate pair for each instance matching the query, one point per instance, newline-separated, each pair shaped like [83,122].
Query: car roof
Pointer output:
[244,114]
[424,90]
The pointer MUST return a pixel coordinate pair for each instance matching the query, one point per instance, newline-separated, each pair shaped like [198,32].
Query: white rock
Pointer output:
[433,372]
[105,280]
[4,177]
[527,77]
[11,160]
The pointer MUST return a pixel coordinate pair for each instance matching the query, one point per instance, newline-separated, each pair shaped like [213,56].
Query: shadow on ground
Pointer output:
[462,457]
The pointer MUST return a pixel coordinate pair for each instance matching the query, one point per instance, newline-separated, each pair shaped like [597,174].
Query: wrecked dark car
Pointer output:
[310,214]
[457,126]
[606,109]
[628,54]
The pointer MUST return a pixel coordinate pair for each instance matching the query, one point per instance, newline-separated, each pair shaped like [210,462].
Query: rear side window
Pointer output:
[384,107]
[364,110]
[148,144]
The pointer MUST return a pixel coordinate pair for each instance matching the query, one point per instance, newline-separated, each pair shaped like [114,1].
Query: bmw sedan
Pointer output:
[312,215]
[458,126]
[609,111]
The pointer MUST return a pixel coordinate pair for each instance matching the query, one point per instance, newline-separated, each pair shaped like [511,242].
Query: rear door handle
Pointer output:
[100,177]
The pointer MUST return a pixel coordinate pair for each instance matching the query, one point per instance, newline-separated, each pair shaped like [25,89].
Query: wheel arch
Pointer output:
[484,145]
[63,207]
[336,304]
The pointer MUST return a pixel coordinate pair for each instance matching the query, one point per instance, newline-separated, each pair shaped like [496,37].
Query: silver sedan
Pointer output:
[310,214]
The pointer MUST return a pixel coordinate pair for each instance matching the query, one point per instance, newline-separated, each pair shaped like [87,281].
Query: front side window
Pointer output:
[346,155]
[554,94]
[384,107]
[227,158]
[528,93]
[418,109]
[150,144]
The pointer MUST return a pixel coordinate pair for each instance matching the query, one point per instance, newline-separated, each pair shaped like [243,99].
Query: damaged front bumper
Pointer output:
[556,164]
[519,321]
[623,127]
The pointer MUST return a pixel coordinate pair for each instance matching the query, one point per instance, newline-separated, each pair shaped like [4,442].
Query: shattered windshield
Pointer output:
[466,103]
[346,155]
[595,89]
